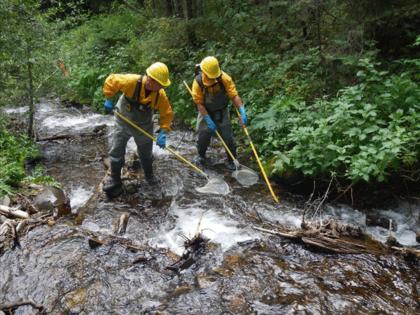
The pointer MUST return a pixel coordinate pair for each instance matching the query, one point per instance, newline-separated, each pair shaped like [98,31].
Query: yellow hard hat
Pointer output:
[210,67]
[159,72]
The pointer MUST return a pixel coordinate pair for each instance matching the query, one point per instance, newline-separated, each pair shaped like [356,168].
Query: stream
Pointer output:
[242,271]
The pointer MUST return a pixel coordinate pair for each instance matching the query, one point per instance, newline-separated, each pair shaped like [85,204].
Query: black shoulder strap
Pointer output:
[199,79]
[136,95]
[220,81]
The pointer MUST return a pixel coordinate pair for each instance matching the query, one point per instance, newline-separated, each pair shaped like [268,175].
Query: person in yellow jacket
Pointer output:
[212,89]
[141,95]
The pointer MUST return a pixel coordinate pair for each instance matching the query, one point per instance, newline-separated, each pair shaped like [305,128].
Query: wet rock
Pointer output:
[204,281]
[134,165]
[44,201]
[181,290]
[373,219]
[232,261]
[418,237]
[223,272]
[392,241]
[139,260]
[237,305]
[5,201]
[94,242]
[131,188]
[75,300]
[99,129]
[62,202]
[2,218]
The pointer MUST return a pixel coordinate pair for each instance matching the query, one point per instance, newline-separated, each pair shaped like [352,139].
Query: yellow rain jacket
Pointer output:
[126,83]
[213,88]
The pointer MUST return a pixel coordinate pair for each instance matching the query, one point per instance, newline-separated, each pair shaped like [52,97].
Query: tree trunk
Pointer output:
[30,92]
[318,27]
[189,14]
[179,8]
[169,8]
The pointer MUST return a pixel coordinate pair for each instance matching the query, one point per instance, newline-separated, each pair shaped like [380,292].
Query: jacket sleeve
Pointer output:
[229,86]
[197,94]
[124,83]
[112,85]
[165,111]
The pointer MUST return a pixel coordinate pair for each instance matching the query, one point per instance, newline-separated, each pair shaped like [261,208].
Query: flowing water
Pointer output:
[242,271]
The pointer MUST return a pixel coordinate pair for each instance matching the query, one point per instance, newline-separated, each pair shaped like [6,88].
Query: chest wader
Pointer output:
[216,105]
[142,115]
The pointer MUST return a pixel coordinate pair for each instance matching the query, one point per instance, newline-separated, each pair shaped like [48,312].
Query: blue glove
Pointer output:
[243,114]
[108,106]
[210,123]
[161,139]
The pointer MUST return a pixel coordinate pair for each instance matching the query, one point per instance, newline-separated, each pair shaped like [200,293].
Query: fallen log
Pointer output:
[14,213]
[348,243]
[98,130]
[329,244]
[290,235]
[407,252]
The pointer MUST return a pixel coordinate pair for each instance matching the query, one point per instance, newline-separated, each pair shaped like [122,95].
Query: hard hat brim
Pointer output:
[212,76]
[163,83]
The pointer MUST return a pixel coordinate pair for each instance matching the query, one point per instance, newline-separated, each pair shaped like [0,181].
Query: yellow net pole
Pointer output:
[276,199]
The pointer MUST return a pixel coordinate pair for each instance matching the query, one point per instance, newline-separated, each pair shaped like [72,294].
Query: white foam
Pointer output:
[75,122]
[214,226]
[16,110]
[78,197]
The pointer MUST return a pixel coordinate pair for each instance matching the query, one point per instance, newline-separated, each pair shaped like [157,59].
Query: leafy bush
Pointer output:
[369,131]
[14,151]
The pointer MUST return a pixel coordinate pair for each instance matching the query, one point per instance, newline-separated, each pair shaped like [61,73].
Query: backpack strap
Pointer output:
[136,95]
[220,81]
[157,98]
[199,79]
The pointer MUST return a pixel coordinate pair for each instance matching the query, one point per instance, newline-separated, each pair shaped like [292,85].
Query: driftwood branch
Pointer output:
[291,235]
[15,213]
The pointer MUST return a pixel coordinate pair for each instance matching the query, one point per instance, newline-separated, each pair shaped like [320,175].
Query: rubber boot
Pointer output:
[152,180]
[148,172]
[113,185]
[229,164]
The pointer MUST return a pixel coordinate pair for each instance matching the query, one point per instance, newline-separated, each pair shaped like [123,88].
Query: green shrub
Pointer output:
[14,151]
[369,131]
